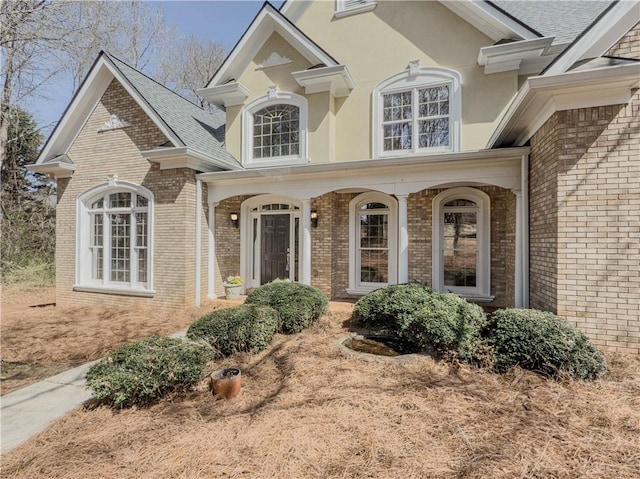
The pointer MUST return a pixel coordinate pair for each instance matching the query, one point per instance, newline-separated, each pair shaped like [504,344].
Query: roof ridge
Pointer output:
[113,57]
[515,19]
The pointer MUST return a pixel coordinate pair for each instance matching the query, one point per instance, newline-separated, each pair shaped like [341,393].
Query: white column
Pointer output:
[198,275]
[211,266]
[519,270]
[403,240]
[305,244]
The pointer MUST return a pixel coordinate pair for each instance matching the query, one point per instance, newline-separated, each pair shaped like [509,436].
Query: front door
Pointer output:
[275,247]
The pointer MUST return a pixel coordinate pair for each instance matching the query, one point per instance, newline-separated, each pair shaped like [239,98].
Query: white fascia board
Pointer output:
[183,157]
[490,21]
[294,9]
[267,22]
[600,37]
[84,103]
[541,96]
[397,176]
[336,79]
[356,168]
[77,113]
[229,94]
[56,169]
[515,55]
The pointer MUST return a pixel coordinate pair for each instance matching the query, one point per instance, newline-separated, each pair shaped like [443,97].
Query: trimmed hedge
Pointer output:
[247,328]
[298,305]
[142,372]
[447,323]
[425,319]
[542,342]
[393,307]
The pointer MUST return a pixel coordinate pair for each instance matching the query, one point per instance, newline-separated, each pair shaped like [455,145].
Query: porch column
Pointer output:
[519,270]
[403,240]
[211,249]
[305,245]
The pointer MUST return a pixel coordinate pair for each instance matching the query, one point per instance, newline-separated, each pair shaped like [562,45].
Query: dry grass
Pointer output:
[308,411]
[39,339]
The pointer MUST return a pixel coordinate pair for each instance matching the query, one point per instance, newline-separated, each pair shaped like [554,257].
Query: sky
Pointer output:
[223,21]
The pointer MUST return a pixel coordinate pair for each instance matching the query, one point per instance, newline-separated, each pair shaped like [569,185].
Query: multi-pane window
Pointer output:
[276,131]
[119,239]
[373,247]
[416,119]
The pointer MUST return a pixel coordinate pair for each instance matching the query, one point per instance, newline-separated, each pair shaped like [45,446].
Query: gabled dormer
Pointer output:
[276,85]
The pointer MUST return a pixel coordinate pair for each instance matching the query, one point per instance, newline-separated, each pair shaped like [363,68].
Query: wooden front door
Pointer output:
[275,247]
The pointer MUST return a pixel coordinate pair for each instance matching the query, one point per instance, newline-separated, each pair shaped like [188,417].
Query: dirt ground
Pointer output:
[308,410]
[38,339]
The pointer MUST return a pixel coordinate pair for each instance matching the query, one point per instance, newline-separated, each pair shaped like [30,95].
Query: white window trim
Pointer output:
[250,252]
[274,97]
[344,9]
[84,265]
[482,291]
[412,79]
[355,287]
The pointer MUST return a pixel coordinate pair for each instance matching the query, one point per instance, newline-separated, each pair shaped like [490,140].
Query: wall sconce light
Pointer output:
[314,218]
[234,217]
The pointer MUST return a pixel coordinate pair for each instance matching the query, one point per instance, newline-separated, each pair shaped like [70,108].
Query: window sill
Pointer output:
[276,162]
[356,10]
[362,291]
[475,298]
[144,293]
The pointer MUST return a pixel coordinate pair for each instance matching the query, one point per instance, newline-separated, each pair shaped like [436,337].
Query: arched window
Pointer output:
[372,242]
[461,242]
[417,112]
[275,130]
[114,230]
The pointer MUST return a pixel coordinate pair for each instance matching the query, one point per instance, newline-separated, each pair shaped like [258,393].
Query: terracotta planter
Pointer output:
[226,383]
[232,291]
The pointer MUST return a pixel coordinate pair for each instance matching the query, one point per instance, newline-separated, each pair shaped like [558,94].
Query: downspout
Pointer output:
[524,178]
[198,242]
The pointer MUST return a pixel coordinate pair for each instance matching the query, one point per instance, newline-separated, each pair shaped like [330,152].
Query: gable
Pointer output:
[99,148]
[273,64]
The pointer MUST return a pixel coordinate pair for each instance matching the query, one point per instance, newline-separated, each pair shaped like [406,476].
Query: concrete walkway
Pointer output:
[30,410]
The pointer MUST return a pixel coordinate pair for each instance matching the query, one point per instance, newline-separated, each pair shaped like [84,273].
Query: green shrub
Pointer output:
[247,328]
[447,323]
[542,342]
[298,305]
[423,318]
[393,307]
[142,372]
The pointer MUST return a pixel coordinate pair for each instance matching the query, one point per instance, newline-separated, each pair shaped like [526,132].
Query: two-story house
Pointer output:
[489,149]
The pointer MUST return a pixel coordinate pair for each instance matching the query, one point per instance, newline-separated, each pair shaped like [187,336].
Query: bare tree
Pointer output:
[43,38]
[188,65]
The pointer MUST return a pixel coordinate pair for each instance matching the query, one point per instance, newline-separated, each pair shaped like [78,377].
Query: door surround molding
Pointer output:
[250,250]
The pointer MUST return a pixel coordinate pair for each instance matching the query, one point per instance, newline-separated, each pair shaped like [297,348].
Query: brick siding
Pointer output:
[585,221]
[628,46]
[97,155]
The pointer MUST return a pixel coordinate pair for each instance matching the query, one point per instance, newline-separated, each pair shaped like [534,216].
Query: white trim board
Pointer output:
[83,104]
[267,21]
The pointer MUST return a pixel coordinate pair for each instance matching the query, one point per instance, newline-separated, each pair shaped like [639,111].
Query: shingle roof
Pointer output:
[196,128]
[563,19]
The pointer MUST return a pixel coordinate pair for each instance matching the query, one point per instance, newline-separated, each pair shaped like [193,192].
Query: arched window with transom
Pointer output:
[114,250]
[372,242]
[461,242]
[275,131]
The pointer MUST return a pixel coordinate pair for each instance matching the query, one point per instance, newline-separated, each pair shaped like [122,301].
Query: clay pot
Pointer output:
[226,383]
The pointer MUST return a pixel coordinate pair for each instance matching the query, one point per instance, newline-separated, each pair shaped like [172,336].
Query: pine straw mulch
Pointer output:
[38,339]
[308,411]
